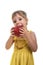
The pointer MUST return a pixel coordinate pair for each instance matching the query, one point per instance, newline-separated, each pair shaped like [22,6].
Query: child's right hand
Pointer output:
[12,32]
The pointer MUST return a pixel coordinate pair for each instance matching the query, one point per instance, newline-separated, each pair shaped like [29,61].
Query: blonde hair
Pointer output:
[21,13]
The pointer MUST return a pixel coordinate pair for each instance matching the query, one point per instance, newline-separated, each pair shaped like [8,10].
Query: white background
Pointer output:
[34,9]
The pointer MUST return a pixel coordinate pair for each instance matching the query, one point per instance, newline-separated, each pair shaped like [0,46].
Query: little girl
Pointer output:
[24,44]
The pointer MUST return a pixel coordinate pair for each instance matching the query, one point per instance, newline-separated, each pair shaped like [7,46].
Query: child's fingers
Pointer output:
[21,29]
[12,30]
[12,35]
[21,32]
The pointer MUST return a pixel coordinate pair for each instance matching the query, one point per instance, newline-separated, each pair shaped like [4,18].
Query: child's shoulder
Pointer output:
[31,32]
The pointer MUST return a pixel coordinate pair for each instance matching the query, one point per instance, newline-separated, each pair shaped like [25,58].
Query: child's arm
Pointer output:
[9,42]
[31,39]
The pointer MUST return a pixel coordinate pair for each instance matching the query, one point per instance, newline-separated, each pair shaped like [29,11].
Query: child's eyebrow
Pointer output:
[19,17]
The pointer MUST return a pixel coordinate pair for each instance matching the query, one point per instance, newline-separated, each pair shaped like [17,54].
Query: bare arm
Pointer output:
[9,42]
[31,39]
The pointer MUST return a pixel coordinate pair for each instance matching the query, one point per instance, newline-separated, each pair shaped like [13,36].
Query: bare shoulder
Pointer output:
[32,34]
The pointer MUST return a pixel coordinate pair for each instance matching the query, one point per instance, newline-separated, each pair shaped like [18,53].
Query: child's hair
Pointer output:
[21,13]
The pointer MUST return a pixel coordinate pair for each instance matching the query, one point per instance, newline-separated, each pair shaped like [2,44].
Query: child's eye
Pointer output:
[14,21]
[20,19]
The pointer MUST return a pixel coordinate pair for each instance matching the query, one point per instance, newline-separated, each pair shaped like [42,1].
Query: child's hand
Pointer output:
[12,32]
[23,32]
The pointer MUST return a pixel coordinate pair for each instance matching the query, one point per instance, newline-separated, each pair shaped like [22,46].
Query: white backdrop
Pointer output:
[34,9]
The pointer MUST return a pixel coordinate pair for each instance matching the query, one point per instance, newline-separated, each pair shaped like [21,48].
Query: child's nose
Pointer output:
[17,22]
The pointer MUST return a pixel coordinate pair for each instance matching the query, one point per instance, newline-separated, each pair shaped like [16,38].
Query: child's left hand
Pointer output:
[23,32]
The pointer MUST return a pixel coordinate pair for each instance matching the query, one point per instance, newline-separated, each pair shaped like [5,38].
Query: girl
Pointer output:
[25,44]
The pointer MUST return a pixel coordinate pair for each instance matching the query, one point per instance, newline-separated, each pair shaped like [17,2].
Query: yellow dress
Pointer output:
[22,55]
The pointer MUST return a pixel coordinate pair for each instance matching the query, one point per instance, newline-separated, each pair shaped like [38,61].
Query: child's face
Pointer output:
[18,20]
